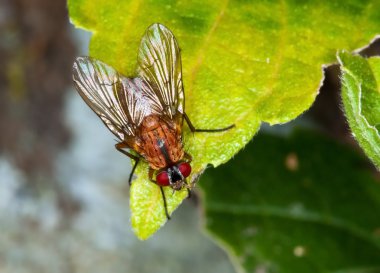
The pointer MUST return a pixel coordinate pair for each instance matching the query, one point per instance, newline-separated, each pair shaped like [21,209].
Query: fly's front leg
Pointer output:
[188,157]
[188,193]
[165,204]
[193,129]
[150,174]
[120,146]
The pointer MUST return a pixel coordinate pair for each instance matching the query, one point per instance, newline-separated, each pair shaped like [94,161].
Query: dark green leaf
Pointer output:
[303,204]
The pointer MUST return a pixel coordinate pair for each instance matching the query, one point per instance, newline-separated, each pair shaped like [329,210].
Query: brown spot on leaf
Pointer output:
[291,162]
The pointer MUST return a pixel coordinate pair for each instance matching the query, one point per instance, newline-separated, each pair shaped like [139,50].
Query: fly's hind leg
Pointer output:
[150,174]
[193,129]
[120,146]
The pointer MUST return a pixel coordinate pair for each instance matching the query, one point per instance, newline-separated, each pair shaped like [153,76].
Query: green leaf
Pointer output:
[302,204]
[361,101]
[244,62]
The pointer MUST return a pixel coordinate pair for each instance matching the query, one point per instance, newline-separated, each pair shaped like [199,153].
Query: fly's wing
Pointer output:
[120,102]
[159,64]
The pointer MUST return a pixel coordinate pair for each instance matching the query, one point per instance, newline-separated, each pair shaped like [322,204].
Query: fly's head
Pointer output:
[174,176]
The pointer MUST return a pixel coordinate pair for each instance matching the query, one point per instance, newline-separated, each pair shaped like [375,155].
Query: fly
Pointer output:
[145,113]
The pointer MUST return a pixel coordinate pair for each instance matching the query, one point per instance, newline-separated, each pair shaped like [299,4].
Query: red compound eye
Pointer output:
[162,179]
[185,169]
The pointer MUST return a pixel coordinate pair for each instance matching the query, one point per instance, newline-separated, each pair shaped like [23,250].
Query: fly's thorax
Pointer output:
[160,142]
[149,123]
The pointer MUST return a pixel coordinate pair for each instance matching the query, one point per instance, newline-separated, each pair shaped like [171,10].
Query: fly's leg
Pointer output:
[120,146]
[188,157]
[150,173]
[188,193]
[165,205]
[193,129]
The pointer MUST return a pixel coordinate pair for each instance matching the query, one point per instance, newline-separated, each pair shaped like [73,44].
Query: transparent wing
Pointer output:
[120,102]
[159,64]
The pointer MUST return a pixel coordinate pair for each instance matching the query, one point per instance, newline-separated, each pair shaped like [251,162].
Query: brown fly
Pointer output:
[145,113]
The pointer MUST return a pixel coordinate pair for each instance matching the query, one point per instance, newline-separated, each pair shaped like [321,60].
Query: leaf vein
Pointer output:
[201,53]
[306,216]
